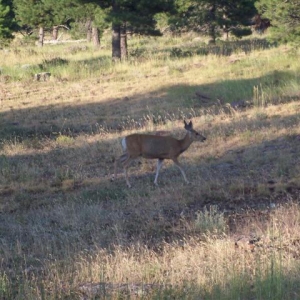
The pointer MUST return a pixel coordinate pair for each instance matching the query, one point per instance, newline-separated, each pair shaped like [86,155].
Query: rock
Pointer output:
[44,76]
[26,66]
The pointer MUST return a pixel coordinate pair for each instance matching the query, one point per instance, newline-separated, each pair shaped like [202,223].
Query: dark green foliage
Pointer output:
[135,16]
[55,62]
[44,14]
[178,52]
[140,15]
[85,15]
[284,17]
[6,20]
[240,32]
[34,13]
[213,18]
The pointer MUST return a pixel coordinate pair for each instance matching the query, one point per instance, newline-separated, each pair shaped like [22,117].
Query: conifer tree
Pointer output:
[6,20]
[284,17]
[134,15]
[214,17]
[42,14]
[94,18]
[34,14]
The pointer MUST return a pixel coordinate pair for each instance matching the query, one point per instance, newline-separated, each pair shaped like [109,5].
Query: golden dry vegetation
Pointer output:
[67,232]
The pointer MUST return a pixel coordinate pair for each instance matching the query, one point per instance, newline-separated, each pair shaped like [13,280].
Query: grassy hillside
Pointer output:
[68,232]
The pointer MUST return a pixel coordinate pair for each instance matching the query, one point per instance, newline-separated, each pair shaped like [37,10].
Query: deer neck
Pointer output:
[185,142]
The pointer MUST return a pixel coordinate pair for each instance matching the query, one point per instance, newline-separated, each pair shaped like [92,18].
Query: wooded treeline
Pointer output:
[213,18]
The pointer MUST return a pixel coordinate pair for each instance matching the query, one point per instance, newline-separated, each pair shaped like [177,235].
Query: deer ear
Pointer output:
[187,126]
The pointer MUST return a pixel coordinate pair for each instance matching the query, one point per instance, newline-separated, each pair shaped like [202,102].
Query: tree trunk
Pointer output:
[116,42]
[41,37]
[96,38]
[89,30]
[55,32]
[116,36]
[225,29]
[212,25]
[225,33]
[123,42]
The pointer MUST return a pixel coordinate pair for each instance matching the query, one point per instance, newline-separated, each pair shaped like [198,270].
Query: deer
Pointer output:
[158,147]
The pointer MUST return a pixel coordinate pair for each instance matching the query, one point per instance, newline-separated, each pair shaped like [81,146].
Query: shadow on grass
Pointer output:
[64,223]
[236,180]
[178,102]
[221,48]
[52,206]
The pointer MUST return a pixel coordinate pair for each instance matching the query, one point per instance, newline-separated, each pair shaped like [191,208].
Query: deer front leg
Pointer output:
[176,162]
[126,165]
[158,167]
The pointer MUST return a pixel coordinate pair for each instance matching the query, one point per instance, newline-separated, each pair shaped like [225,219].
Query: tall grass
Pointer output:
[209,267]
[67,232]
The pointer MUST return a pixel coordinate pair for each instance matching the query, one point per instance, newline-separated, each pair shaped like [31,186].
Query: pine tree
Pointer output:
[93,17]
[134,15]
[214,17]
[6,20]
[34,14]
[42,14]
[284,17]
[237,15]
[62,14]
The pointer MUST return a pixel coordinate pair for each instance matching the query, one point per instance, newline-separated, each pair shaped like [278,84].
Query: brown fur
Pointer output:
[157,147]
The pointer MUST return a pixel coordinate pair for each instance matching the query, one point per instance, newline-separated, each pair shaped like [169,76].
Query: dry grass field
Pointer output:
[68,232]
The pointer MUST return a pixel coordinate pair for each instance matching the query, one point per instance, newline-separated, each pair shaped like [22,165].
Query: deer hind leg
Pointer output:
[126,164]
[159,164]
[121,160]
[176,162]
